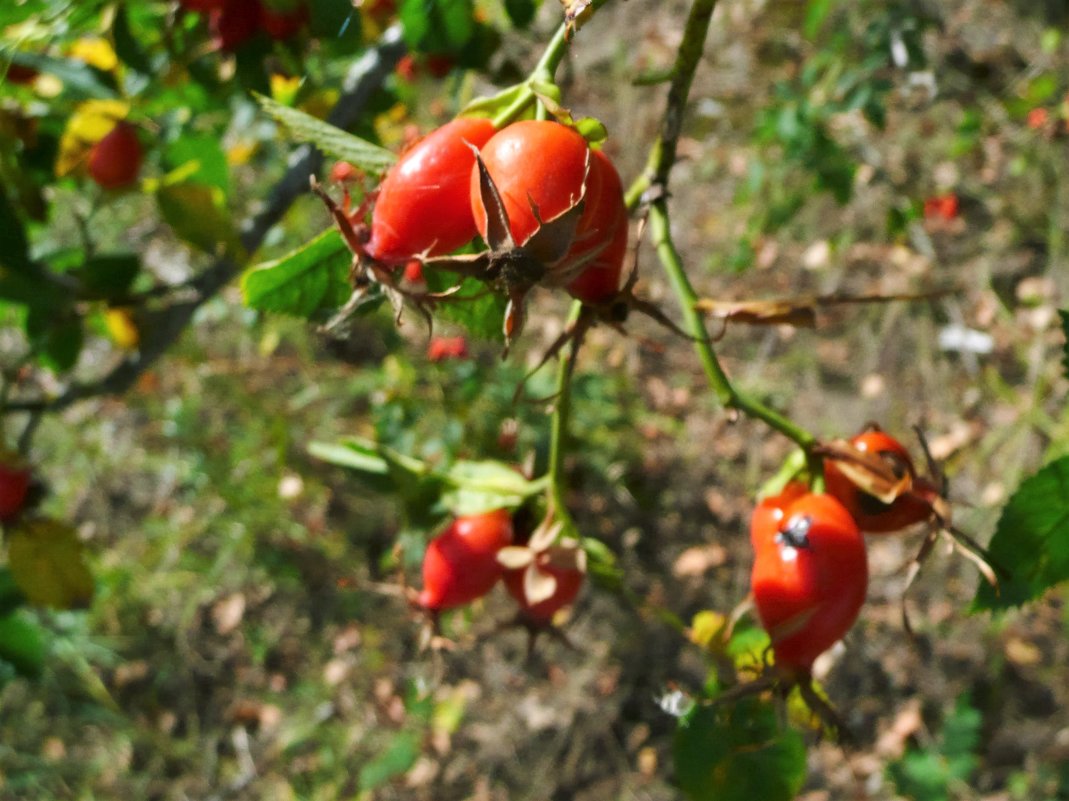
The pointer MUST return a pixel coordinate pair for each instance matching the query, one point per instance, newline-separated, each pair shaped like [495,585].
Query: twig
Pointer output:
[167,324]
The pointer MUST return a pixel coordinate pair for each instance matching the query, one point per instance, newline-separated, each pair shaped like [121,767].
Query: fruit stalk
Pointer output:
[659,165]
[559,430]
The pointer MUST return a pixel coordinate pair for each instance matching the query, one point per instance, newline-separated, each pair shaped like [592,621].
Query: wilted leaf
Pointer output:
[89,123]
[738,752]
[1030,547]
[801,311]
[576,13]
[47,561]
[330,139]
[313,278]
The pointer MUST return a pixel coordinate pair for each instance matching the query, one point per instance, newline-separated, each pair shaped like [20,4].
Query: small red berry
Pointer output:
[14,488]
[442,349]
[460,564]
[115,161]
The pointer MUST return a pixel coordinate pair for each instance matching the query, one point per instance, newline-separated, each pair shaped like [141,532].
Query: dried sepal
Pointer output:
[537,585]
[870,472]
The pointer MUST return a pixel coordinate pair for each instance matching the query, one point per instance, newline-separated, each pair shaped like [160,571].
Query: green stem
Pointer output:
[559,429]
[662,157]
[693,323]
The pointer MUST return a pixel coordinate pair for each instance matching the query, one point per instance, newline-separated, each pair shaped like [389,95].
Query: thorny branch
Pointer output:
[166,324]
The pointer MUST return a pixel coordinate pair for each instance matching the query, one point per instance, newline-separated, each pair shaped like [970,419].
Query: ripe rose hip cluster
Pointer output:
[474,552]
[810,571]
[550,209]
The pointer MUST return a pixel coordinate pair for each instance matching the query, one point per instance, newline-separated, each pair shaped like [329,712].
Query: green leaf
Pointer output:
[495,104]
[198,215]
[47,561]
[354,455]
[925,775]
[1064,314]
[1030,548]
[738,752]
[14,248]
[22,644]
[11,597]
[330,139]
[127,48]
[79,79]
[305,281]
[399,756]
[521,12]
[482,316]
[815,14]
[479,487]
[435,26]
[56,334]
[204,159]
[110,275]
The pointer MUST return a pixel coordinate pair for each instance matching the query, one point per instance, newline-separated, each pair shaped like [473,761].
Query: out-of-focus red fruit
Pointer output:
[14,487]
[1037,118]
[235,22]
[115,161]
[343,172]
[202,6]
[941,207]
[379,10]
[414,272]
[569,582]
[283,23]
[407,69]
[439,64]
[18,74]
[460,564]
[442,349]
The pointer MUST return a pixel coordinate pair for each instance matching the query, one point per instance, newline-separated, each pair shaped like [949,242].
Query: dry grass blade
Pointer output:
[800,312]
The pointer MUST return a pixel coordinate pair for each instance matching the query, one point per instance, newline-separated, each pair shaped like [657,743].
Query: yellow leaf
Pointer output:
[284,88]
[47,562]
[705,627]
[121,328]
[89,123]
[95,52]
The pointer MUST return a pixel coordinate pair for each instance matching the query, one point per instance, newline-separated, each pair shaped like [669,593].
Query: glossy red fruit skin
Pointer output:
[235,22]
[422,204]
[569,582]
[532,161]
[460,564]
[873,515]
[14,487]
[808,597]
[769,512]
[115,161]
[604,220]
